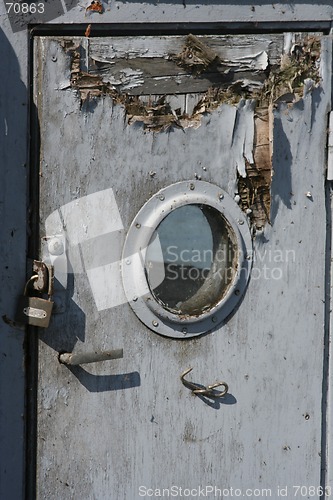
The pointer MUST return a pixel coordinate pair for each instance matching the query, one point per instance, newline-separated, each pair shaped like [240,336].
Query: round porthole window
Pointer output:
[187,259]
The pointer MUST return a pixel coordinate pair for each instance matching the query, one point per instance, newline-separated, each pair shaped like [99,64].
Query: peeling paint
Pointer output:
[250,82]
[254,187]
[268,82]
[243,136]
[259,60]
[298,66]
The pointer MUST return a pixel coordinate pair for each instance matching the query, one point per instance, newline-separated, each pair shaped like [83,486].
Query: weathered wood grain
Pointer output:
[141,65]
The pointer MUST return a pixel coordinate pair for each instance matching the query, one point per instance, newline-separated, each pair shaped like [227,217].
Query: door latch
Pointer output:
[74,359]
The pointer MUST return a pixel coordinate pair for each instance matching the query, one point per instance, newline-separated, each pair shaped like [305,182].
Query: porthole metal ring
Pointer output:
[134,273]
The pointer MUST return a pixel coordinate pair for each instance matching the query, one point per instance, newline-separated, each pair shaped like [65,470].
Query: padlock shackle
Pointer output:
[30,280]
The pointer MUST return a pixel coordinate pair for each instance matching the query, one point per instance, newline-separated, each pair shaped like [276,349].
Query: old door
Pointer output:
[182,205]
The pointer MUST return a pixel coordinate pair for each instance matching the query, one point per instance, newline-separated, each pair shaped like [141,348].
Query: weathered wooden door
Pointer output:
[182,204]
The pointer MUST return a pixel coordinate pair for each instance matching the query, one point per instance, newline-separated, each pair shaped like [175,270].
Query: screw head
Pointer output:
[154,322]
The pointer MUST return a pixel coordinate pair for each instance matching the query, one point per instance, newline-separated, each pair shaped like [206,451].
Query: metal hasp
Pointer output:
[73,359]
[44,281]
[200,390]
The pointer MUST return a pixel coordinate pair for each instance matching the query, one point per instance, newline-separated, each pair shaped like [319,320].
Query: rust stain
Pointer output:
[88,31]
[95,6]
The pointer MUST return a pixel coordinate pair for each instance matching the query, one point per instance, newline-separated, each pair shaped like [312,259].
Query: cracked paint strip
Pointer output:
[243,135]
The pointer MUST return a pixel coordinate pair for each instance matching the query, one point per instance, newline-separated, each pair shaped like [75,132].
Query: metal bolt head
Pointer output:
[184,330]
[192,186]
[55,246]
[221,196]
[162,197]
[154,322]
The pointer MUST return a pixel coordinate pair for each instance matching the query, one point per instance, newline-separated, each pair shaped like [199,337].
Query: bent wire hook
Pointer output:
[200,390]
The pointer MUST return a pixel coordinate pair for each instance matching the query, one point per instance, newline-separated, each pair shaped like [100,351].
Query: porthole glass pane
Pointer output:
[196,250]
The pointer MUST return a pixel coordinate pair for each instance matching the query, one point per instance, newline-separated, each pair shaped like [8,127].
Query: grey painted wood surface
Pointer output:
[106,430]
[195,11]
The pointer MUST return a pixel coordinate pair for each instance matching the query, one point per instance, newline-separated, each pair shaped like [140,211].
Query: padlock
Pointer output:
[33,311]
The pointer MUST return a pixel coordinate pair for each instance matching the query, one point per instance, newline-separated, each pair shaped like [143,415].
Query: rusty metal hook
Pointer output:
[200,390]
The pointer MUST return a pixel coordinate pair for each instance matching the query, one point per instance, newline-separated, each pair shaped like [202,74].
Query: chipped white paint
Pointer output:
[111,431]
[249,50]
[253,61]
[243,135]
[144,62]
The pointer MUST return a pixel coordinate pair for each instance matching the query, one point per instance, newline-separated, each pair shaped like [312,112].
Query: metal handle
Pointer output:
[203,390]
[71,358]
